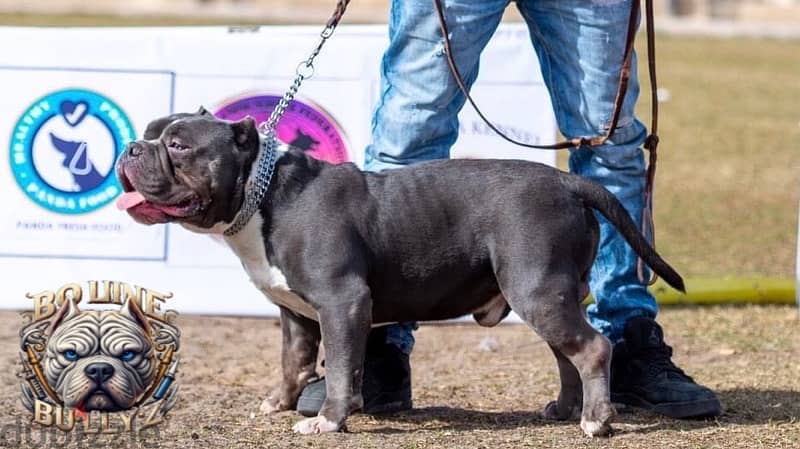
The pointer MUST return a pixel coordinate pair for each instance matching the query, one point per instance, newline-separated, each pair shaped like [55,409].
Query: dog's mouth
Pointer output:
[99,399]
[152,212]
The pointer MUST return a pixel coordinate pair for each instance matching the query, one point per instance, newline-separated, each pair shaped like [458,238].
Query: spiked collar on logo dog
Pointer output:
[257,183]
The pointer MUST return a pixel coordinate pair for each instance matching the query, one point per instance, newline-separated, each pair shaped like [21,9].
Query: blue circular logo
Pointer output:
[64,147]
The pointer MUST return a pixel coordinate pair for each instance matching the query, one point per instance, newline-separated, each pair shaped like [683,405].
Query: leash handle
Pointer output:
[650,143]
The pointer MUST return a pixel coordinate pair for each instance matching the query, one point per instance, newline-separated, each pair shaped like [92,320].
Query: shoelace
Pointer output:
[659,360]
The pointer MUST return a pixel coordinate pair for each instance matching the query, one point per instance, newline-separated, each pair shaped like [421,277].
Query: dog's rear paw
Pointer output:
[596,428]
[553,412]
[317,424]
[600,427]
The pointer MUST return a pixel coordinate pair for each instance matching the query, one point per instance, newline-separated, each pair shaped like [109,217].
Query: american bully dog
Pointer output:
[340,250]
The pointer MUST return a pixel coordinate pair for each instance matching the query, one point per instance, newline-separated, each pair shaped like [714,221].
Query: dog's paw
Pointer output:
[317,424]
[553,412]
[273,404]
[596,428]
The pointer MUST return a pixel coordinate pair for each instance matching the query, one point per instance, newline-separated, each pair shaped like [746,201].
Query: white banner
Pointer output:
[72,99]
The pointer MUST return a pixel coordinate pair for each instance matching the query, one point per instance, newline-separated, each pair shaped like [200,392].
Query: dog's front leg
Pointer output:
[345,325]
[298,360]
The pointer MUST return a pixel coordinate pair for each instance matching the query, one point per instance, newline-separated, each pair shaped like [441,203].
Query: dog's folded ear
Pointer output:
[157,126]
[130,309]
[245,133]
[67,310]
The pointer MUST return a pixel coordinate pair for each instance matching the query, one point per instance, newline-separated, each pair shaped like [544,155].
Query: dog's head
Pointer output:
[99,360]
[189,168]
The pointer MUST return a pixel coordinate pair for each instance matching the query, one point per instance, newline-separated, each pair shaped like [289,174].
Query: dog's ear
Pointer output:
[67,310]
[131,310]
[203,111]
[156,127]
[245,133]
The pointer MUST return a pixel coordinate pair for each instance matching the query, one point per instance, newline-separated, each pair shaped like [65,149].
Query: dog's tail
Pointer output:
[598,198]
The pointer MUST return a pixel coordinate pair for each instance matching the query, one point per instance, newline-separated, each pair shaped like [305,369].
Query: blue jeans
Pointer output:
[580,46]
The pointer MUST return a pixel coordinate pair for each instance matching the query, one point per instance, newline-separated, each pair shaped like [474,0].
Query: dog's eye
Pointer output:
[71,355]
[127,356]
[174,145]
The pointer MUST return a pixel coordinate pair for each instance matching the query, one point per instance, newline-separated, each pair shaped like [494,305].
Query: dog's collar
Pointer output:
[257,183]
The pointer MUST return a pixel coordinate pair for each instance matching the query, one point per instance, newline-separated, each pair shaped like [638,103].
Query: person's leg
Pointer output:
[580,46]
[415,120]
[416,115]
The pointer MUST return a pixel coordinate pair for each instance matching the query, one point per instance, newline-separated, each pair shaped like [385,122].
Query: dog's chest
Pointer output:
[248,244]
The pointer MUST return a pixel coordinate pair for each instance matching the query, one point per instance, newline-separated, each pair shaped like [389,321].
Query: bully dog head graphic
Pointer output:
[99,360]
[104,360]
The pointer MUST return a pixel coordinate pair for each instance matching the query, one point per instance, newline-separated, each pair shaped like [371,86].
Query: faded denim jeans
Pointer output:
[580,46]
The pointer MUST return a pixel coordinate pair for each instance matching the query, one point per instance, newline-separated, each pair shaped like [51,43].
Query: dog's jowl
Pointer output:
[340,250]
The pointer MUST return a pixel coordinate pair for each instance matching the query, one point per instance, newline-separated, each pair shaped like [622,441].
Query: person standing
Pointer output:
[580,46]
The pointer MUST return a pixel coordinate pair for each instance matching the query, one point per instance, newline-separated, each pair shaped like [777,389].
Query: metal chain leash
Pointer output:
[304,70]
[258,183]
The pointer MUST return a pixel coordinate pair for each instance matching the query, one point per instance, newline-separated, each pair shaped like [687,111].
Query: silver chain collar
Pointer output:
[258,182]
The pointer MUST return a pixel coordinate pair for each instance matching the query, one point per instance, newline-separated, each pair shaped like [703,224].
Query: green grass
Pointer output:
[728,183]
[729,170]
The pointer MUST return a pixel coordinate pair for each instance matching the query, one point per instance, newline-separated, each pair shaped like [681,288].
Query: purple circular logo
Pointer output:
[304,126]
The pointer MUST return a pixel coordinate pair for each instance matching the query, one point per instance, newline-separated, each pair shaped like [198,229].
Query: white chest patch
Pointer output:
[248,244]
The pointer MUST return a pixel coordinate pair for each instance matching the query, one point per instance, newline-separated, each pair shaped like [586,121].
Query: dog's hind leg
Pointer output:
[548,301]
[568,405]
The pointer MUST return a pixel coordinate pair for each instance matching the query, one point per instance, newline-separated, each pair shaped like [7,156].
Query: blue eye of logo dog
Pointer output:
[127,356]
[71,355]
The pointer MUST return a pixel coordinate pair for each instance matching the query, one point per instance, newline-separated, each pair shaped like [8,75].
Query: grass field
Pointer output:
[729,170]
[729,179]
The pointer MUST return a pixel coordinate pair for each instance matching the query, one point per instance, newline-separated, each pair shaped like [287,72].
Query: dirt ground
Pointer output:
[467,397]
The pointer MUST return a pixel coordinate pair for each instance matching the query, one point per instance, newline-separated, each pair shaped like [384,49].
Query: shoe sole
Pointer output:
[678,410]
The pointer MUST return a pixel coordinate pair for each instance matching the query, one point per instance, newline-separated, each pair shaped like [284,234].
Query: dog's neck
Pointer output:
[257,183]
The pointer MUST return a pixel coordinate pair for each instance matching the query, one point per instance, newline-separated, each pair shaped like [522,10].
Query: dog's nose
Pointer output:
[134,149]
[99,372]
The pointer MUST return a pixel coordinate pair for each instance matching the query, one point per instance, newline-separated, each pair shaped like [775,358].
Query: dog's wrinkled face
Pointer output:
[99,360]
[190,168]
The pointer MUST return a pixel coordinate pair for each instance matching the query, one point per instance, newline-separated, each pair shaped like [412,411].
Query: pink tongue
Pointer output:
[129,199]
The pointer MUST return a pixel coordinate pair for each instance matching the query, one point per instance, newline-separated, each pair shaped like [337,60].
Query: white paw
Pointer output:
[596,428]
[317,424]
[270,406]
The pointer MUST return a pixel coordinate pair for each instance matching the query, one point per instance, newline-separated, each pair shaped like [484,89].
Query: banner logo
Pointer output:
[304,126]
[110,370]
[63,150]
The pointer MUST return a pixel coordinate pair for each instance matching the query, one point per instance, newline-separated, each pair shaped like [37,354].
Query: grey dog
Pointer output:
[340,250]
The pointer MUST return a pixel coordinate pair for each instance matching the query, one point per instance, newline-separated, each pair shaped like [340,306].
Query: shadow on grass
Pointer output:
[742,406]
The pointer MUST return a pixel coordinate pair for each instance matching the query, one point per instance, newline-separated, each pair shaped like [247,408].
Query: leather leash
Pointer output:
[651,142]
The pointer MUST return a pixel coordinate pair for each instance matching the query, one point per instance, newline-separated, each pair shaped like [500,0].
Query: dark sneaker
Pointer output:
[387,380]
[643,375]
